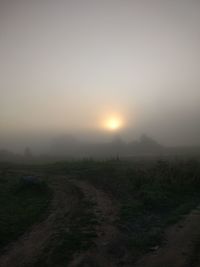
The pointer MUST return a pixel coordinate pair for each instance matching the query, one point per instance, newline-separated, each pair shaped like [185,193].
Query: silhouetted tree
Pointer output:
[27,153]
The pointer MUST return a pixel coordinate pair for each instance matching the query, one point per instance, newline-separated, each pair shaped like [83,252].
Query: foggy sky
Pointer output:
[67,64]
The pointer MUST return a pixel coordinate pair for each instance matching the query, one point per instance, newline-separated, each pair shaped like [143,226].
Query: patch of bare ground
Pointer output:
[178,247]
[108,250]
[26,250]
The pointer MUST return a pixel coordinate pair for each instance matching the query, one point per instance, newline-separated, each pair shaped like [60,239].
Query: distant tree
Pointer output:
[146,140]
[28,153]
[148,145]
[117,140]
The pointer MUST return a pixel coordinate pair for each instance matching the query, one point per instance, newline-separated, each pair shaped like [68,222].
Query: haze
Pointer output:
[68,66]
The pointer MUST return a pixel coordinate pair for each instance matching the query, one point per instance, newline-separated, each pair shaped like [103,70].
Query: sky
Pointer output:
[71,66]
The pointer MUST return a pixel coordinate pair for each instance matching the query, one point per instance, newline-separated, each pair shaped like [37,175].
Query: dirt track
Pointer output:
[179,244]
[26,250]
[108,251]
[104,253]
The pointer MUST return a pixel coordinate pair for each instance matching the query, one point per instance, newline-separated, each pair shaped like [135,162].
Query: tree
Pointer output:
[27,153]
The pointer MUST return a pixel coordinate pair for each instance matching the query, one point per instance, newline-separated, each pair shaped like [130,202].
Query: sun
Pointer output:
[112,123]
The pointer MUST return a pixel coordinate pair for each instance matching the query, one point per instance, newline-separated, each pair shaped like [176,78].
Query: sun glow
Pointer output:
[113,123]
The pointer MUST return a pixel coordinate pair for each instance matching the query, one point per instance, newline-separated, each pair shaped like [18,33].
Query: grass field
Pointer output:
[150,195]
[21,205]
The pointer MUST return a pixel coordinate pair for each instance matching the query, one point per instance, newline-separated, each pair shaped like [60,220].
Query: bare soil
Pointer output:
[177,250]
[26,250]
[108,249]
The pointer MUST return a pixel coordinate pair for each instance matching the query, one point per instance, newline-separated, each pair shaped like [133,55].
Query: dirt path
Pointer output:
[107,251]
[179,245]
[26,250]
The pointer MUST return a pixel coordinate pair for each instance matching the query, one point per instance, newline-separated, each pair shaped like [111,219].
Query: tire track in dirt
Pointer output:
[179,244]
[26,250]
[107,251]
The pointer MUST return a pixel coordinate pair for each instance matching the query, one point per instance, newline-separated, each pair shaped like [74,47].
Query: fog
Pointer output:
[67,66]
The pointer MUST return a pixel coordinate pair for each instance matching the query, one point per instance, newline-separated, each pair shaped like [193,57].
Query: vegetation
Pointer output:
[21,205]
[75,234]
[151,194]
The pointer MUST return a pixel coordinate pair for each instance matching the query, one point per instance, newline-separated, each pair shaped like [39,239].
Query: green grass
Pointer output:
[152,194]
[21,206]
[76,234]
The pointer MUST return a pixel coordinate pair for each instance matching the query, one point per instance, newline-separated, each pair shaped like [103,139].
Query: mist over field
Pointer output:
[99,133]
[69,67]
